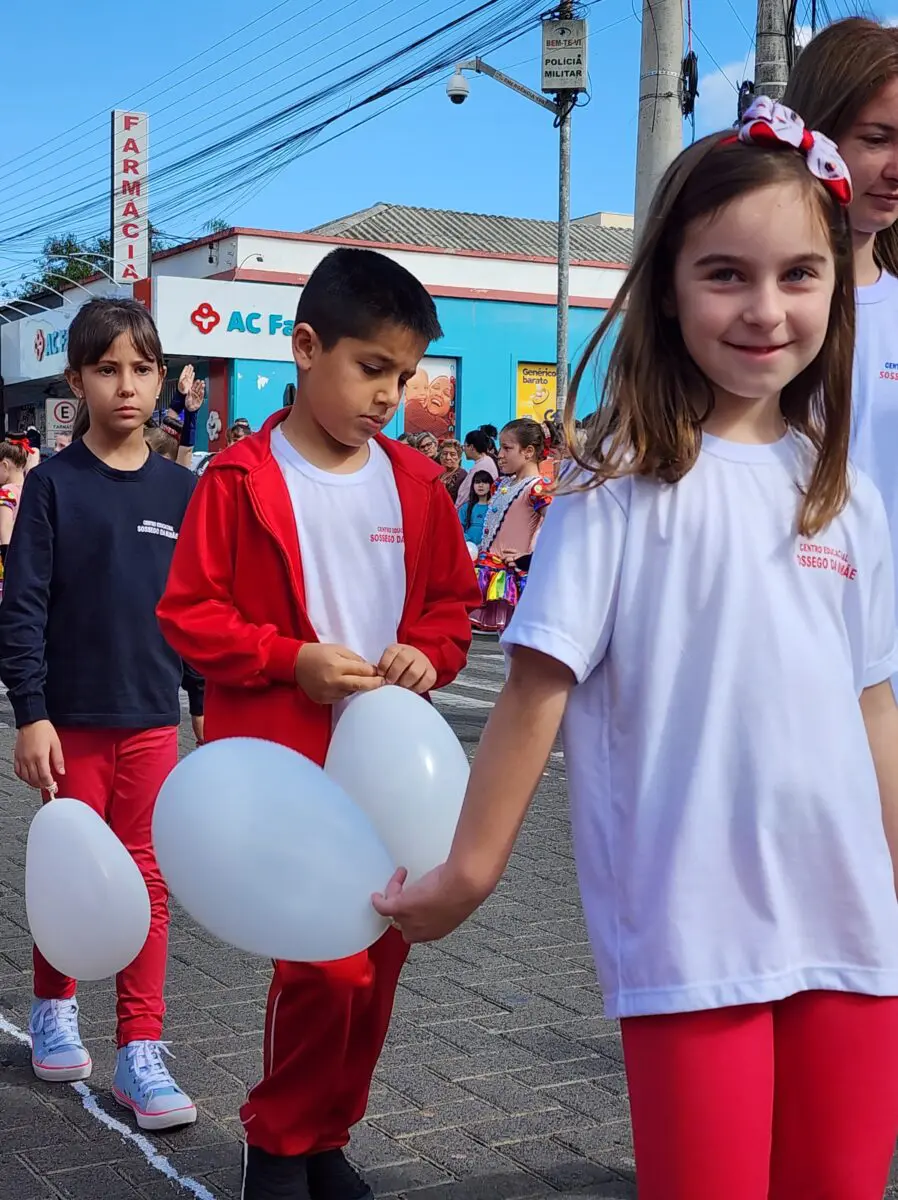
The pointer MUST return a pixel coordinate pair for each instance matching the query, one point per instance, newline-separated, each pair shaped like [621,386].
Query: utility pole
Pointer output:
[565,102]
[564,76]
[771,54]
[660,133]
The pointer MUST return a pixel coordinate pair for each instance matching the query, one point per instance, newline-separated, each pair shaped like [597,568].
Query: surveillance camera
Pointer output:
[457,88]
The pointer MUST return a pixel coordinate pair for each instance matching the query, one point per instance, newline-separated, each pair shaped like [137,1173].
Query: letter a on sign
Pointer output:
[129,214]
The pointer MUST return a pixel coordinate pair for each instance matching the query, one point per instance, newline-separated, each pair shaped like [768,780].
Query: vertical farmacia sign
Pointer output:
[130,229]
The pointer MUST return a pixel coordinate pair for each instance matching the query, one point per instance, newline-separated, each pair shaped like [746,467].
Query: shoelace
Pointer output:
[147,1063]
[58,1021]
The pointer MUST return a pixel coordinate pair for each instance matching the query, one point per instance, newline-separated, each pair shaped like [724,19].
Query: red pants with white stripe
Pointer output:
[795,1100]
[119,772]
[324,1030]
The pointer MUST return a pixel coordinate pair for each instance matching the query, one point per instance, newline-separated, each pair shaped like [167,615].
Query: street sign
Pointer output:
[564,56]
[60,419]
[130,226]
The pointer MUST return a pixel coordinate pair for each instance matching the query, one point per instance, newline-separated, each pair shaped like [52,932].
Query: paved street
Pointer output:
[500,1078]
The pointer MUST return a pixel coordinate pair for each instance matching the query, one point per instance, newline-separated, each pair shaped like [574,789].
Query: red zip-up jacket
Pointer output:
[234,606]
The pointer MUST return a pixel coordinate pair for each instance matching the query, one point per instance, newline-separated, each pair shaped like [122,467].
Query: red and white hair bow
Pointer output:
[767,123]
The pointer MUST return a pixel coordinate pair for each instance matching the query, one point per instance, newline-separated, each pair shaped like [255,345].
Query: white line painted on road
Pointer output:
[448,700]
[485,686]
[89,1099]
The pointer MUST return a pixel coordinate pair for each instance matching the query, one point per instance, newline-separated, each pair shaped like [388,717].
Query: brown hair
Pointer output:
[836,76]
[15,453]
[93,330]
[654,397]
[451,444]
[160,440]
[528,434]
[236,433]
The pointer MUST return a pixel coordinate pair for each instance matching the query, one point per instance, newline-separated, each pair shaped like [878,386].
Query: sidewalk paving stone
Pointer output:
[500,1080]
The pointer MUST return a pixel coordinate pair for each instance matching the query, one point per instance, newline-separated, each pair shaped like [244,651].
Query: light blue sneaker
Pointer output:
[142,1083]
[57,1052]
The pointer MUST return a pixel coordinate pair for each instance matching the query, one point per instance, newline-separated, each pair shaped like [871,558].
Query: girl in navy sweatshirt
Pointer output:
[92,682]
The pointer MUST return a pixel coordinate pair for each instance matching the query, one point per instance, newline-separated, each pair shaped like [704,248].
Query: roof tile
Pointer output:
[449,230]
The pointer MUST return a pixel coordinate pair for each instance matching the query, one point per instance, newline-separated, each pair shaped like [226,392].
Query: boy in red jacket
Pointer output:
[317,560]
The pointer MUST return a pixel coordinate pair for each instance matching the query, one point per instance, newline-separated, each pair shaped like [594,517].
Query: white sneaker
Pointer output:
[57,1052]
[143,1083]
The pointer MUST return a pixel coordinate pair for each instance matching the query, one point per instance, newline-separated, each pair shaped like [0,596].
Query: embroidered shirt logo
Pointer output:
[390,534]
[159,528]
[816,557]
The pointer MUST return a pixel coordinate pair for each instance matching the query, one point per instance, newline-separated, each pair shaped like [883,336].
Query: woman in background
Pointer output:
[454,473]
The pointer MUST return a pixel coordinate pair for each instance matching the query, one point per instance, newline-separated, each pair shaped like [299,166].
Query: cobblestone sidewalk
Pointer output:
[500,1079]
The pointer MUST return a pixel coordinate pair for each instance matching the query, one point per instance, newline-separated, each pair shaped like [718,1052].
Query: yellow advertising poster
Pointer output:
[535,390]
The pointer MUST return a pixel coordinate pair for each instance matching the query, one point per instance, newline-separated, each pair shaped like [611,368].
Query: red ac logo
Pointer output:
[40,344]
[205,318]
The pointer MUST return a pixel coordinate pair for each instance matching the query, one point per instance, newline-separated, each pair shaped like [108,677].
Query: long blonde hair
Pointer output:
[836,75]
[654,397]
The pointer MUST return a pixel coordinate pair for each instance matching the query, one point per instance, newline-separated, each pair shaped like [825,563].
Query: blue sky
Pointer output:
[496,153]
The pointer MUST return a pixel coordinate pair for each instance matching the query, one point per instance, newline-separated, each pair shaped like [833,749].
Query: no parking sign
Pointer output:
[60,419]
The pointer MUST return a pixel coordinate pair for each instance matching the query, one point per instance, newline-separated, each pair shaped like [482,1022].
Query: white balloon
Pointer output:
[399,760]
[87,903]
[472,550]
[268,853]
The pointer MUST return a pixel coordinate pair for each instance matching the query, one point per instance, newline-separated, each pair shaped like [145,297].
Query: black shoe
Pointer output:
[273,1176]
[332,1178]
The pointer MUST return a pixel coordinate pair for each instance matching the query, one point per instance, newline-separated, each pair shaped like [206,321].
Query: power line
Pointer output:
[715,62]
[163,173]
[168,74]
[735,11]
[94,150]
[494,29]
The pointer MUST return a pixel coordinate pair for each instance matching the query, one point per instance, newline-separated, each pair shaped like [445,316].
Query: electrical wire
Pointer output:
[715,62]
[318,58]
[62,137]
[491,30]
[145,99]
[258,162]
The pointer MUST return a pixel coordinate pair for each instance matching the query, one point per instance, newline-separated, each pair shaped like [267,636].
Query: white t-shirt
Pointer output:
[874,435]
[726,816]
[352,548]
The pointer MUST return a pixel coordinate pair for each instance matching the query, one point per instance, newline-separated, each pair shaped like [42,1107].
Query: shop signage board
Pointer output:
[535,394]
[35,347]
[130,225]
[565,67]
[217,319]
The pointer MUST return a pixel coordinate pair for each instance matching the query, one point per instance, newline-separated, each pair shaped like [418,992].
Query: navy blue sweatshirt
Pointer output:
[86,567]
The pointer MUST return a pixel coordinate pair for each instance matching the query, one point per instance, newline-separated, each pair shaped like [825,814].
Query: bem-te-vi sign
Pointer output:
[564,56]
[130,229]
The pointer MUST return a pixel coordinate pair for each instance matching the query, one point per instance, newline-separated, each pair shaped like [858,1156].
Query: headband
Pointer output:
[767,123]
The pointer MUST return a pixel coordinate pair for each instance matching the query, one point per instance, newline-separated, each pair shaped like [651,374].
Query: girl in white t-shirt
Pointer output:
[721,669]
[845,83]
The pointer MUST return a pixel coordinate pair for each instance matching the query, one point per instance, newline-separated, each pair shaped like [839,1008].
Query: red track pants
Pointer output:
[119,772]
[796,1100]
[324,1031]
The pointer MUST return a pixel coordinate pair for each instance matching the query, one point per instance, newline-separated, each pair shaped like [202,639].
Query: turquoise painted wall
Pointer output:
[257,388]
[488,337]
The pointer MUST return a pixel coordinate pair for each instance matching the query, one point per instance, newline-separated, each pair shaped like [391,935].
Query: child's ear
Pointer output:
[306,346]
[73,379]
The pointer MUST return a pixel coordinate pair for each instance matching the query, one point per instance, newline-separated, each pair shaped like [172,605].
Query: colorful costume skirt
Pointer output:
[501,586]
